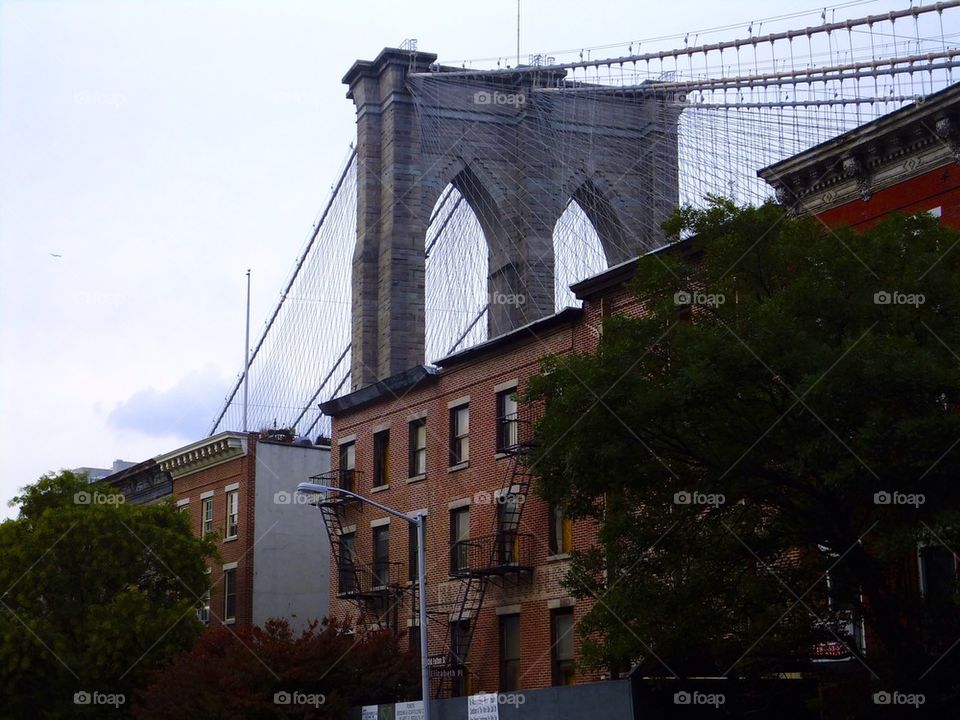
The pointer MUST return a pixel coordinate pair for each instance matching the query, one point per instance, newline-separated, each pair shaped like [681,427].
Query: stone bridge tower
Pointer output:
[518,145]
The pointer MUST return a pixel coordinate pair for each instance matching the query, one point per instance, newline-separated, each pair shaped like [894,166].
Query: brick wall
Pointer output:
[937,188]
[476,377]
[215,479]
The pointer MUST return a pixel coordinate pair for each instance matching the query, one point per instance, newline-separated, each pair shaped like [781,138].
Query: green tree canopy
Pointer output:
[736,445]
[94,593]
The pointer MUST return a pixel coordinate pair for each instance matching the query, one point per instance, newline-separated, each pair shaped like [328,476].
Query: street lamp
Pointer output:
[418,520]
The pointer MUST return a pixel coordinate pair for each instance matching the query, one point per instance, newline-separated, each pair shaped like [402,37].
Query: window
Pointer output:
[413,546]
[459,647]
[381,555]
[561,650]
[509,507]
[561,532]
[206,516]
[230,594]
[507,427]
[203,610]
[509,653]
[348,464]
[233,513]
[418,448]
[459,540]
[381,458]
[346,570]
[459,434]
[938,572]
[413,634]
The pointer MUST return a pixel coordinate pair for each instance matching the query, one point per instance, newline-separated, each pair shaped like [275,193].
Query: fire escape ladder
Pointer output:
[363,586]
[506,552]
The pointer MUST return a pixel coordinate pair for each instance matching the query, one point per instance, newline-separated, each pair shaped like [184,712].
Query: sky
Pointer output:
[151,151]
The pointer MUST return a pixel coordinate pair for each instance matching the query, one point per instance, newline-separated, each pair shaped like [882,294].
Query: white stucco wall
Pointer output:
[291,555]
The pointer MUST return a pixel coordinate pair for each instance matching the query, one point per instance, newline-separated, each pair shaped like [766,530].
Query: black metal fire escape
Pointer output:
[373,587]
[499,558]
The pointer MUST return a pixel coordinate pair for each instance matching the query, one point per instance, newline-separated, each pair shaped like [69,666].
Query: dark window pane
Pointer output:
[509,653]
[381,458]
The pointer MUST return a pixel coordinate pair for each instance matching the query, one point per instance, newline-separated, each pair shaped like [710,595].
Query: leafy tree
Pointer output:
[269,672]
[95,593]
[731,443]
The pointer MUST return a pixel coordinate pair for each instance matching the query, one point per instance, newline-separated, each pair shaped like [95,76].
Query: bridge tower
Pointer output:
[518,145]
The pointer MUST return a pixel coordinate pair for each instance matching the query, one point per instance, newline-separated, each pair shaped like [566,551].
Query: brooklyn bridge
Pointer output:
[473,197]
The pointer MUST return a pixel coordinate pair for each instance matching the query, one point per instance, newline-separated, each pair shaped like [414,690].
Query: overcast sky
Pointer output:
[151,151]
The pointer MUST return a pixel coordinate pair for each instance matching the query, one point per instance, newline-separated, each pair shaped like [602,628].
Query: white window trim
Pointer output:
[508,610]
[504,386]
[230,566]
[231,487]
[462,502]
[346,440]
[417,416]
[558,603]
[207,494]
[380,522]
[182,502]
[226,527]
[465,400]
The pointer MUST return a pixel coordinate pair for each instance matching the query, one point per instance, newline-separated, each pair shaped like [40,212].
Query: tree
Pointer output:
[95,593]
[268,672]
[765,447]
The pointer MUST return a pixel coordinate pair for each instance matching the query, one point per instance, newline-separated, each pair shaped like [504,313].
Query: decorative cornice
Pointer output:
[856,165]
[203,454]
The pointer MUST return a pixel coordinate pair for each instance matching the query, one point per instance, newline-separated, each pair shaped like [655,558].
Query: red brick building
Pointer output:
[449,440]
[241,489]
[905,161]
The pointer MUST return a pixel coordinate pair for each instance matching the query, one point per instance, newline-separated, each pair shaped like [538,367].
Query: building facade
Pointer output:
[452,441]
[241,489]
[905,161]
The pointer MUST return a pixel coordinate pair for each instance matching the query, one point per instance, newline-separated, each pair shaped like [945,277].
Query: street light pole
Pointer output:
[419,521]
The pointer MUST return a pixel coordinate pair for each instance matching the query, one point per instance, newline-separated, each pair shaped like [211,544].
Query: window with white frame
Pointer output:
[206,516]
[459,434]
[230,595]
[233,513]
[418,448]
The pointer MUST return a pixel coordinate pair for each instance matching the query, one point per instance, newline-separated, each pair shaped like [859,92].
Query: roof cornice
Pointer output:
[203,454]
[906,143]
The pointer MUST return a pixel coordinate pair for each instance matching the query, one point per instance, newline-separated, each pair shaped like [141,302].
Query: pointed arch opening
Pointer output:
[578,252]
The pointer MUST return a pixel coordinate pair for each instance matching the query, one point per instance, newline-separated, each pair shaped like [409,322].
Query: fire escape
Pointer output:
[501,558]
[373,588]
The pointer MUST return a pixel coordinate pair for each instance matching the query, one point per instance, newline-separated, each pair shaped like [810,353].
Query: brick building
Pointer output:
[449,440]
[905,161]
[274,557]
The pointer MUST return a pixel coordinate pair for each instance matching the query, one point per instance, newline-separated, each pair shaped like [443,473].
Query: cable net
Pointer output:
[549,173]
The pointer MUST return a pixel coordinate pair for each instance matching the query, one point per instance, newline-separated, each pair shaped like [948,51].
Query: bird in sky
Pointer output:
[55,255]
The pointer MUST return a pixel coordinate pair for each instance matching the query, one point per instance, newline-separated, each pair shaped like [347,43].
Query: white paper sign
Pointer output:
[483,707]
[409,711]
[368,712]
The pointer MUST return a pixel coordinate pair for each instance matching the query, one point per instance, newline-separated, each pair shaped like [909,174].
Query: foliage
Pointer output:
[767,372]
[95,593]
[252,672]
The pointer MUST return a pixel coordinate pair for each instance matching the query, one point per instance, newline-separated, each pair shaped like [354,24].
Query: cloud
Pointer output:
[186,409]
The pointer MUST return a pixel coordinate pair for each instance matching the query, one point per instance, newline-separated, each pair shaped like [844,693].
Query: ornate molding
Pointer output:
[946,130]
[204,454]
[856,165]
